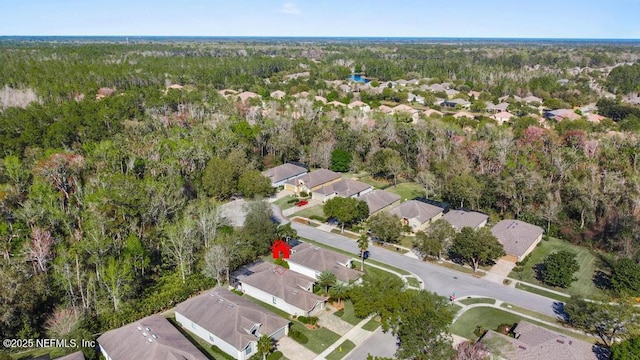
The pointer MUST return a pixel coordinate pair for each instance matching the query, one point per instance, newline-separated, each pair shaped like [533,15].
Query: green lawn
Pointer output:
[490,318]
[346,234]
[407,241]
[413,282]
[283,203]
[541,292]
[477,301]
[407,190]
[537,315]
[371,325]
[342,350]
[347,313]
[378,184]
[53,352]
[319,339]
[589,263]
[314,210]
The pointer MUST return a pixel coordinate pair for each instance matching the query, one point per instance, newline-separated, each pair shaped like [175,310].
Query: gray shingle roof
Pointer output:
[461,218]
[288,285]
[320,259]
[344,188]
[229,316]
[78,355]
[534,342]
[411,209]
[283,172]
[316,178]
[134,341]
[516,236]
[379,199]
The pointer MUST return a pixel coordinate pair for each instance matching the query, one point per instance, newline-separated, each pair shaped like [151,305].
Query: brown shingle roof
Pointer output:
[379,199]
[461,218]
[419,210]
[286,285]
[229,317]
[516,236]
[534,342]
[134,341]
[78,355]
[320,259]
[284,171]
[344,188]
[316,178]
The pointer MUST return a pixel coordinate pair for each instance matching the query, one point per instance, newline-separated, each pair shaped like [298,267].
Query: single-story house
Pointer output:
[417,98]
[335,103]
[502,117]
[432,112]
[229,321]
[462,218]
[150,338]
[595,118]
[474,94]
[385,109]
[287,290]
[460,114]
[456,102]
[539,343]
[417,214]
[345,188]
[452,93]
[518,238]
[506,97]
[498,108]
[359,105]
[438,87]
[278,94]
[312,181]
[246,95]
[320,98]
[562,114]
[280,174]
[301,95]
[402,108]
[378,200]
[532,100]
[311,260]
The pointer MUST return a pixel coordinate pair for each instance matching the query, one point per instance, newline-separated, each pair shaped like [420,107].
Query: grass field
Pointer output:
[589,264]
[342,350]
[347,313]
[314,210]
[407,241]
[489,318]
[477,301]
[283,203]
[29,354]
[319,339]
[541,292]
[413,282]
[371,325]
[407,190]
[373,182]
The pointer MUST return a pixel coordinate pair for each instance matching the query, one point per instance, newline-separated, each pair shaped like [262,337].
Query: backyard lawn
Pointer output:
[319,339]
[407,190]
[589,264]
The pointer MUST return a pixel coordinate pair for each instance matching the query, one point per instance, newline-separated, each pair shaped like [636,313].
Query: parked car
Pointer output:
[302,203]
[366,254]
[333,221]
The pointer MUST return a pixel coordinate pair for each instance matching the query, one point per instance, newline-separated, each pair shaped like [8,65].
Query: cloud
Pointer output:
[289,8]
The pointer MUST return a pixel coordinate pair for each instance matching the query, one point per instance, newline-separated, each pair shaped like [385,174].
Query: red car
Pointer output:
[302,203]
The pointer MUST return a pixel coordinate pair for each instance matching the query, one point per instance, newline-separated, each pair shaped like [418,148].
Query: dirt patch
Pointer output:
[311,327]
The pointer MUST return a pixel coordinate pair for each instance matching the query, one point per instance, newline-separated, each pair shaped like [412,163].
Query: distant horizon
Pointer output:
[543,19]
[320,37]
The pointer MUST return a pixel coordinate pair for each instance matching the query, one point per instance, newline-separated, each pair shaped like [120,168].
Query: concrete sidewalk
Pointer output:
[357,335]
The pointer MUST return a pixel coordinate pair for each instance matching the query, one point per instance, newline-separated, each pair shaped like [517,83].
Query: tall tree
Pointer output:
[286,232]
[338,291]
[340,160]
[116,278]
[437,238]
[326,279]
[476,247]
[216,262]
[625,277]
[179,245]
[265,346]
[259,228]
[628,349]
[385,227]
[253,184]
[346,210]
[559,268]
[218,178]
[363,245]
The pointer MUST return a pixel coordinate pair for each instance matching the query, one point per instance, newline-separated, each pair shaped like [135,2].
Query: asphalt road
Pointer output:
[438,279]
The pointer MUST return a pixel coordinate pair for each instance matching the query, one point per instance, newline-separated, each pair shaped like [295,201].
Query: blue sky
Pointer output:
[412,18]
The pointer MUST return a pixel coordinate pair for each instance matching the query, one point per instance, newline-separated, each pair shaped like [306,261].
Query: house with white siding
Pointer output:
[229,321]
[311,260]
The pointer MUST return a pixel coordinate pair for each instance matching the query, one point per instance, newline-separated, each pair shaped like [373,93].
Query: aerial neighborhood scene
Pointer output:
[319,180]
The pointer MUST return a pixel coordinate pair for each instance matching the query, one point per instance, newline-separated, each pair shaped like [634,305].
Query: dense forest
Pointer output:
[109,203]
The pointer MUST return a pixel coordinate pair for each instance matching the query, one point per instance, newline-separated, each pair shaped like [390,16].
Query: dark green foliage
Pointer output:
[628,349]
[259,230]
[558,269]
[625,277]
[615,110]
[252,183]
[312,320]
[346,210]
[624,79]
[281,262]
[608,321]
[340,160]
[385,227]
[476,247]
[298,336]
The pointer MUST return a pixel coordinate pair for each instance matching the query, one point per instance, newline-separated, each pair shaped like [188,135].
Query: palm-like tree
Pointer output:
[339,291]
[326,279]
[363,245]
[265,346]
[286,232]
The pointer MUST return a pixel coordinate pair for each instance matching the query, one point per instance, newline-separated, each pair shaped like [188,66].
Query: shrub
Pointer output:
[298,336]
[275,355]
[479,330]
[318,218]
[304,194]
[281,262]
[303,319]
[503,329]
[339,313]
[294,200]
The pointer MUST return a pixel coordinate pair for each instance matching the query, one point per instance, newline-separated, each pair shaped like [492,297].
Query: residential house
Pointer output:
[278,94]
[437,88]
[506,97]
[320,98]
[379,200]
[595,118]
[335,103]
[562,114]
[536,342]
[497,108]
[78,355]
[301,95]
[385,109]
[310,260]
[456,103]
[359,105]
[518,238]
[432,112]
[466,114]
[304,74]
[229,321]
[150,338]
[417,214]
[415,98]
[408,110]
[474,94]
[175,87]
[312,181]
[502,117]
[463,218]
[345,188]
[532,100]
[282,288]
[451,93]
[280,174]
[246,95]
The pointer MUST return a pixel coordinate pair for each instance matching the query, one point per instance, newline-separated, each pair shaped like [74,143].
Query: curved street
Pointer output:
[436,278]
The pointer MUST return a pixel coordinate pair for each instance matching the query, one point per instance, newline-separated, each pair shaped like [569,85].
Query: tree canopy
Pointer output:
[477,247]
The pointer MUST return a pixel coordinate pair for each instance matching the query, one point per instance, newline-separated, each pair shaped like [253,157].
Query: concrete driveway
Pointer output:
[293,350]
[378,344]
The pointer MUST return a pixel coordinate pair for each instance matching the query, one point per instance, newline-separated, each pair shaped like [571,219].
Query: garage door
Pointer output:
[278,334]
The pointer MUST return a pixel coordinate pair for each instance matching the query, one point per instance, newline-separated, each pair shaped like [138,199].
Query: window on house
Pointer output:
[248,351]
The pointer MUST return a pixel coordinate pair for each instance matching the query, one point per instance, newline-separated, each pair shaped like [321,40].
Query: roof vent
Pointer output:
[295,292]
[144,334]
[522,347]
[231,305]
[155,336]
[221,300]
[147,328]
[139,328]
[560,341]
[150,340]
